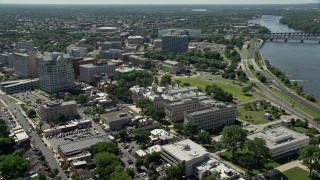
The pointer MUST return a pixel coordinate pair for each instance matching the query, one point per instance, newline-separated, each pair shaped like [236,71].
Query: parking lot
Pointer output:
[78,134]
[32,98]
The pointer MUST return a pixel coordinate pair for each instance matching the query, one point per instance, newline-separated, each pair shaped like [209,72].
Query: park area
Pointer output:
[225,84]
[295,173]
[254,112]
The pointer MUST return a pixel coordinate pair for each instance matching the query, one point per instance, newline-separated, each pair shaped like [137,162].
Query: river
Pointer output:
[299,61]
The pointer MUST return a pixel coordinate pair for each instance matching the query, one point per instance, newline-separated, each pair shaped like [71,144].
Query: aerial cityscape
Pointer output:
[170,90]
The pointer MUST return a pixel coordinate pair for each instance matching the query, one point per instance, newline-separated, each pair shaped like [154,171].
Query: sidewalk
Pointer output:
[292,165]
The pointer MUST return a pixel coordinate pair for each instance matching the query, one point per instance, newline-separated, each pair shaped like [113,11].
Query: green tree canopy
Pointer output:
[233,137]
[165,80]
[107,146]
[13,167]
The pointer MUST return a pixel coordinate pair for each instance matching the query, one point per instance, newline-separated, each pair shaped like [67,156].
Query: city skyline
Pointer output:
[157,2]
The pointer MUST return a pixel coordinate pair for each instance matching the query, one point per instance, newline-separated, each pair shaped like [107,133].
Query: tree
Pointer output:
[310,155]
[3,128]
[204,137]
[106,164]
[31,113]
[139,163]
[165,80]
[317,120]
[191,129]
[107,146]
[259,151]
[215,175]
[151,158]
[246,89]
[13,167]
[59,118]
[179,127]
[38,101]
[311,98]
[233,137]
[120,173]
[6,145]
[174,172]
[121,133]
[141,135]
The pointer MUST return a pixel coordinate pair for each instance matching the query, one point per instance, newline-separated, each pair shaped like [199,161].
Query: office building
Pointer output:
[27,45]
[26,64]
[112,53]
[173,67]
[175,43]
[49,111]
[157,43]
[175,110]
[139,61]
[106,45]
[10,87]
[56,72]
[87,71]
[136,40]
[77,51]
[185,152]
[191,33]
[282,141]
[212,117]
[116,120]
[81,61]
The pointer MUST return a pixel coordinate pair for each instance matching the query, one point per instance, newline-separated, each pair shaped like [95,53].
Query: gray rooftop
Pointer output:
[77,146]
[171,62]
[116,115]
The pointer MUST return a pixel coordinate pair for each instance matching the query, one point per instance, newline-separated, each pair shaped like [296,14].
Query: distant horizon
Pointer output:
[156,2]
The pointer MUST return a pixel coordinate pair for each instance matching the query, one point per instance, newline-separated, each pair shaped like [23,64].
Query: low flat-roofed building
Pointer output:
[76,147]
[161,136]
[282,141]
[48,111]
[67,128]
[117,119]
[112,53]
[86,156]
[87,71]
[17,86]
[212,117]
[138,40]
[186,152]
[20,137]
[173,67]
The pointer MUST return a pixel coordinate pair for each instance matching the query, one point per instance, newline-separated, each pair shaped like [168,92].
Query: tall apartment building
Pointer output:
[26,64]
[48,111]
[212,117]
[87,71]
[28,45]
[175,43]
[56,72]
[77,51]
[175,110]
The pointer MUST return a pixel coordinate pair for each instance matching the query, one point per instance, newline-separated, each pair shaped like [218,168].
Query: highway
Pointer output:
[275,81]
[270,95]
[13,106]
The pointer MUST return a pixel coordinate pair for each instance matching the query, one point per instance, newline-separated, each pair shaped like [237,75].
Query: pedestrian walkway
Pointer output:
[291,165]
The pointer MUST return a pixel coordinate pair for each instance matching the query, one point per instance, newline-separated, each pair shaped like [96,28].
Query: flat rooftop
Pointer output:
[116,115]
[77,146]
[185,150]
[279,136]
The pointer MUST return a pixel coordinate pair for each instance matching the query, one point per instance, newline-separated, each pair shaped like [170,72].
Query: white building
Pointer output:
[137,40]
[212,117]
[48,111]
[186,152]
[282,141]
[161,135]
[77,51]
[175,110]
[87,71]
[25,64]
[56,72]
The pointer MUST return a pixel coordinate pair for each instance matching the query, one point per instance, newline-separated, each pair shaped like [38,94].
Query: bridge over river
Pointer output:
[301,36]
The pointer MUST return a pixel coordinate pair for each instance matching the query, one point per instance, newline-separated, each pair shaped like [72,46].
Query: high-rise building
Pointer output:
[192,33]
[26,64]
[28,45]
[56,72]
[175,43]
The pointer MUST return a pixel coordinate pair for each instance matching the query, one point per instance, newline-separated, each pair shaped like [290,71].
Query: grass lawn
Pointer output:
[295,173]
[257,116]
[268,166]
[201,84]
[296,104]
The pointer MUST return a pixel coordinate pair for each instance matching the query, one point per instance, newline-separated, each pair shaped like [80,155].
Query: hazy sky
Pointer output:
[158,1]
